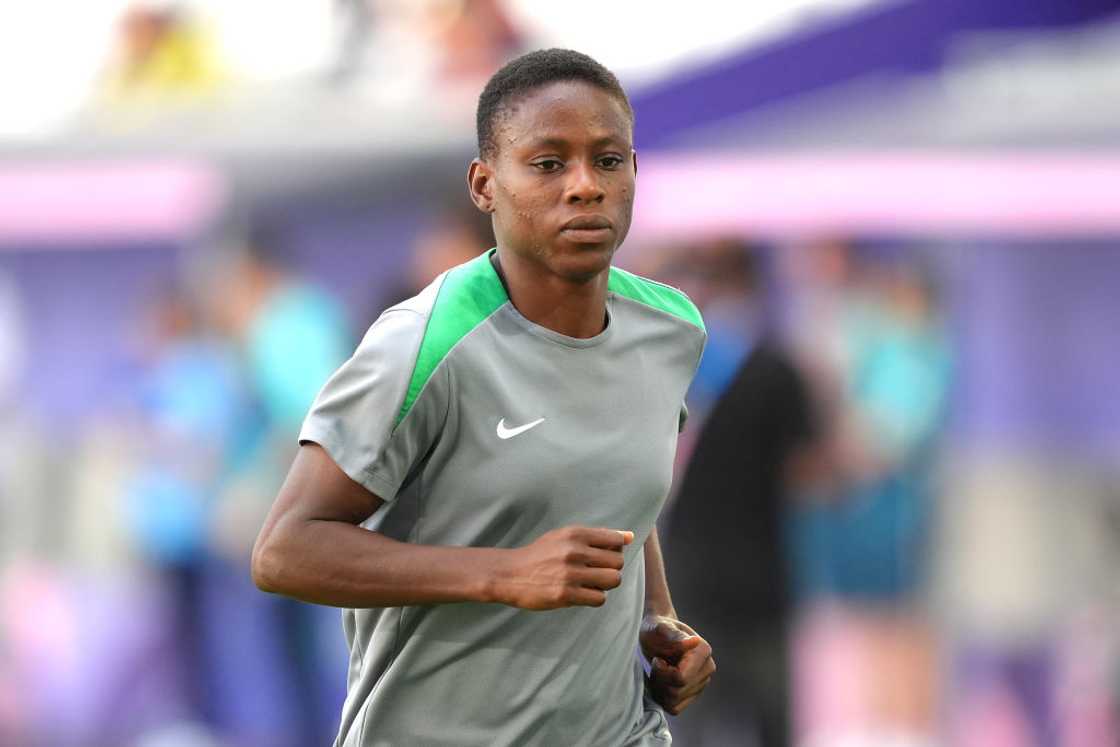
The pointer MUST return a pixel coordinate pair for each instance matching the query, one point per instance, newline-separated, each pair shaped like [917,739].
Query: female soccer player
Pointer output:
[478,484]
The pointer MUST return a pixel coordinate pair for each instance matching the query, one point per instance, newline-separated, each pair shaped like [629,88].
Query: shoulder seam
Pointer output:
[469,294]
[395,309]
[663,312]
[677,293]
[442,365]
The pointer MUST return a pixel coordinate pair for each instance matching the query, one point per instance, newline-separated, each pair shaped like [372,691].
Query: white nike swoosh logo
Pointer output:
[504,433]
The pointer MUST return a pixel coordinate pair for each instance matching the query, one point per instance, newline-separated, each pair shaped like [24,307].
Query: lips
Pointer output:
[588,229]
[586,223]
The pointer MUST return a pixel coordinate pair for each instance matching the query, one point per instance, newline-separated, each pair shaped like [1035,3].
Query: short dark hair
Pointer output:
[533,70]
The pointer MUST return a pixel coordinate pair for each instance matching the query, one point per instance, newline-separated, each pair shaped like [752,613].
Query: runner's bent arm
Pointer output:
[681,663]
[312,548]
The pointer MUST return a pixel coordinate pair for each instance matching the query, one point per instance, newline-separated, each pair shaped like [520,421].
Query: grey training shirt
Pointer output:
[481,428]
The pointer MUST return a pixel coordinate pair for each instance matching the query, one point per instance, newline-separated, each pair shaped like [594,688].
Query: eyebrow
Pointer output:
[557,142]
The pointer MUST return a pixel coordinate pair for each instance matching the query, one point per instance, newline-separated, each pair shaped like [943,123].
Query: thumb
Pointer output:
[667,640]
[671,633]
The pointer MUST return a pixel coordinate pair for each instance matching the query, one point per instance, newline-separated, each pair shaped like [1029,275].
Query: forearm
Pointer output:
[658,599]
[343,565]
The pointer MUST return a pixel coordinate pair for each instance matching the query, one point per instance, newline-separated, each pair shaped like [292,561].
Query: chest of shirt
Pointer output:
[539,435]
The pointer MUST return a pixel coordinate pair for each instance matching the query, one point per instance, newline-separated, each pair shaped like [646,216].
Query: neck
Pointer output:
[574,308]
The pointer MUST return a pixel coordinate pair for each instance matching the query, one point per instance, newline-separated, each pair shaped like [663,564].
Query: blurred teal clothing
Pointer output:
[901,383]
[869,541]
[295,342]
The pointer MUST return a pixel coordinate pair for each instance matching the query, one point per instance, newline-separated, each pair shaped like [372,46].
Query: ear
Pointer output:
[634,155]
[480,183]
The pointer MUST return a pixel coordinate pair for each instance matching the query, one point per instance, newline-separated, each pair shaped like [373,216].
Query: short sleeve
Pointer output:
[354,418]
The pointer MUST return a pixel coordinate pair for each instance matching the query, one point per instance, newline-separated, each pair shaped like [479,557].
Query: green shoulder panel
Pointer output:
[658,295]
[468,295]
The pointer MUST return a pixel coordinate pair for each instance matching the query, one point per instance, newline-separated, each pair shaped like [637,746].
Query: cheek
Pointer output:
[525,208]
[512,219]
[626,194]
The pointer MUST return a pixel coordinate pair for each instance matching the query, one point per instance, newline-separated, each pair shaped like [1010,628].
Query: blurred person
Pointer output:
[724,536]
[192,387]
[458,234]
[404,48]
[291,332]
[884,433]
[500,445]
[162,53]
[723,279]
[860,535]
[290,335]
[477,36]
[193,407]
[828,297]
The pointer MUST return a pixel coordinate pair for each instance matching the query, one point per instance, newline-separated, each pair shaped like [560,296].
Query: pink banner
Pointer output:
[97,201]
[1008,194]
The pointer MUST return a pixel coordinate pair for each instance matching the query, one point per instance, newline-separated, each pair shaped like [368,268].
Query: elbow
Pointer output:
[266,566]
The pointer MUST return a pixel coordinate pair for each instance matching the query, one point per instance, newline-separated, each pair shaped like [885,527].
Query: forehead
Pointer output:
[570,111]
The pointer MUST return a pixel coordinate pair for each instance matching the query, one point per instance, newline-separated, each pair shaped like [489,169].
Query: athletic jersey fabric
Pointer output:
[481,428]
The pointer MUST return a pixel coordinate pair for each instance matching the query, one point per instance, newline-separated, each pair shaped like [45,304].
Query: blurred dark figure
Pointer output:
[724,550]
[459,233]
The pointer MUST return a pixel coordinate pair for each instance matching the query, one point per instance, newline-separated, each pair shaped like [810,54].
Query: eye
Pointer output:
[610,162]
[547,165]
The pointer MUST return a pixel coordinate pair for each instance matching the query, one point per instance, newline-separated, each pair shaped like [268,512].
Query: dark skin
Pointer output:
[560,188]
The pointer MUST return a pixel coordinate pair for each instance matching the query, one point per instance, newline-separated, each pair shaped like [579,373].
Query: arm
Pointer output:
[681,663]
[312,548]
[658,600]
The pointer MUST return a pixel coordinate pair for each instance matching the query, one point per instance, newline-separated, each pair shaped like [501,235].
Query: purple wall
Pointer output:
[1038,333]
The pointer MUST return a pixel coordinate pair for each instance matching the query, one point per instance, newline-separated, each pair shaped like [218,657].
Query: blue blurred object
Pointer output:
[196,407]
[168,516]
[298,338]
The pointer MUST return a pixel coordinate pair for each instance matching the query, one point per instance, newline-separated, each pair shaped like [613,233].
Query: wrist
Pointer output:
[662,609]
[494,577]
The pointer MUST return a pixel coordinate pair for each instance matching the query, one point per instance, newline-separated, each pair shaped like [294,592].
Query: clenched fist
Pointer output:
[563,568]
[681,663]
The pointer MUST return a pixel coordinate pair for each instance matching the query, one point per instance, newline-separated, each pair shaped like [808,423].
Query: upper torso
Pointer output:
[466,472]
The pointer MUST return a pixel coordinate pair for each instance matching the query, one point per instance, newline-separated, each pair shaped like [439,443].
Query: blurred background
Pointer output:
[897,504]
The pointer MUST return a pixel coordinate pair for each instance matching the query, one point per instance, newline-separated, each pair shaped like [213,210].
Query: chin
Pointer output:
[582,262]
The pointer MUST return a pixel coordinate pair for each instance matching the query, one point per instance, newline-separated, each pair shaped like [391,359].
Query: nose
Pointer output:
[584,185]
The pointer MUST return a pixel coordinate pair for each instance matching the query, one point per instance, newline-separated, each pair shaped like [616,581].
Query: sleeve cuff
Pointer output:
[375,482]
